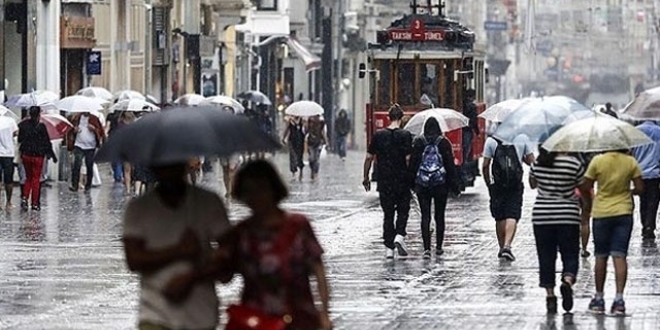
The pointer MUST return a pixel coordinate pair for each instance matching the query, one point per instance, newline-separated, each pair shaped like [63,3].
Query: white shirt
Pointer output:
[7,146]
[148,219]
[86,138]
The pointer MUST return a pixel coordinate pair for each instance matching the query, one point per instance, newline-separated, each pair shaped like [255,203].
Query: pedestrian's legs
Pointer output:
[467,146]
[89,164]
[648,210]
[424,199]
[546,250]
[75,171]
[388,206]
[128,177]
[314,155]
[569,247]
[33,166]
[402,211]
[440,202]
[602,232]
[117,171]
[620,240]
[510,226]
[500,231]
[8,177]
[341,146]
[293,159]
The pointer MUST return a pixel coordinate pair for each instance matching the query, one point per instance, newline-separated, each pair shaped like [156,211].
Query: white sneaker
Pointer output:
[400,245]
[389,254]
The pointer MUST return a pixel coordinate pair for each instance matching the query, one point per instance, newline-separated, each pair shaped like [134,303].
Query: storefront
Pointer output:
[76,39]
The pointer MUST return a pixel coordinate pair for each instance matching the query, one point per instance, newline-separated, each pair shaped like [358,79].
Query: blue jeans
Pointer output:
[341,146]
[612,235]
[549,239]
[118,171]
[314,154]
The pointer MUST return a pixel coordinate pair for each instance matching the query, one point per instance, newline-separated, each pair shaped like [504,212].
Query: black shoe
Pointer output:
[73,189]
[439,252]
[499,254]
[585,253]
[551,305]
[24,204]
[507,254]
[36,208]
[566,296]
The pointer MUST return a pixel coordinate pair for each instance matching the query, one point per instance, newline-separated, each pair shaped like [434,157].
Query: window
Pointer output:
[266,4]
[429,83]
[406,84]
[384,83]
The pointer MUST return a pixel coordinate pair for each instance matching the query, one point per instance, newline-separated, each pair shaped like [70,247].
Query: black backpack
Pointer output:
[507,170]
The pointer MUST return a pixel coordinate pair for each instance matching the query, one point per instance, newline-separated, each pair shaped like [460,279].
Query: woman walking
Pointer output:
[275,252]
[128,170]
[294,137]
[612,220]
[432,162]
[35,146]
[557,221]
[315,140]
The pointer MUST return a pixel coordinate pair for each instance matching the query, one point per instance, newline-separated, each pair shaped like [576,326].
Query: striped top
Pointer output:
[556,202]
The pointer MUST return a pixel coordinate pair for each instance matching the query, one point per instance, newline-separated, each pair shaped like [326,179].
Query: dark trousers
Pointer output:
[394,201]
[78,155]
[32,186]
[438,196]
[341,145]
[467,145]
[550,238]
[118,171]
[295,157]
[648,205]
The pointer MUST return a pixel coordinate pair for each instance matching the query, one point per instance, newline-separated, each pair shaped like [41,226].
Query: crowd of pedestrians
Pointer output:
[577,194]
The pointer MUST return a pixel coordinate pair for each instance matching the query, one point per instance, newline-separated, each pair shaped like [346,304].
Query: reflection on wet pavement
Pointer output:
[63,268]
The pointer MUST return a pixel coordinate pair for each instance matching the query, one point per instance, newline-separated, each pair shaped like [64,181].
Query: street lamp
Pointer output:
[191,43]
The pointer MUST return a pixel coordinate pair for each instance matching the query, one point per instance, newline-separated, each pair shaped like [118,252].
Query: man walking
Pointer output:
[343,128]
[648,157]
[83,140]
[505,186]
[391,148]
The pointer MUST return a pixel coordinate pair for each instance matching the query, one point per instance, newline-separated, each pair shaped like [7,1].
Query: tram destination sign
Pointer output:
[416,32]
[406,35]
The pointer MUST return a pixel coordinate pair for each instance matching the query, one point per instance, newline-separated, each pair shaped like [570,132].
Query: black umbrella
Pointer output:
[255,97]
[176,135]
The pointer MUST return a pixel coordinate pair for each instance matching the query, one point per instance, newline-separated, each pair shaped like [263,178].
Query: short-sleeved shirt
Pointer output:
[391,148]
[276,264]
[7,146]
[159,226]
[613,172]
[556,202]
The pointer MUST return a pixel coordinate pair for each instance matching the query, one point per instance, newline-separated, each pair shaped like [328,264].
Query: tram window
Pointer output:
[406,84]
[448,94]
[429,82]
[384,83]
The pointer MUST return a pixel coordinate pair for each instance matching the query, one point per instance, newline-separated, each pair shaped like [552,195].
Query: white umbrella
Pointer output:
[190,100]
[304,109]
[5,112]
[38,98]
[78,103]
[497,112]
[600,133]
[98,92]
[448,119]
[134,105]
[129,95]
[222,100]
[151,99]
[645,106]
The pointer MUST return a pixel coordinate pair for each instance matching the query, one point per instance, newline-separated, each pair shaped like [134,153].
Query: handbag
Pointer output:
[242,317]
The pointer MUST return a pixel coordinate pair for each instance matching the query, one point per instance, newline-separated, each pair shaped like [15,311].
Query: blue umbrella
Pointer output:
[537,119]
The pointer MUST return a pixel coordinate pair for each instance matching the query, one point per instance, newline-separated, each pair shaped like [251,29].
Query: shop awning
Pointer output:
[312,62]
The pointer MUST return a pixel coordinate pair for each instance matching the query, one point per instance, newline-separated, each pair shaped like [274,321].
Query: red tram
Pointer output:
[422,61]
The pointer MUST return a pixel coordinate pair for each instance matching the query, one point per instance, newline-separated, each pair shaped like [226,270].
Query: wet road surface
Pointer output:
[63,268]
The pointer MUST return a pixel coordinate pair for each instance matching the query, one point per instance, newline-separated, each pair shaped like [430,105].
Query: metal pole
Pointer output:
[148,44]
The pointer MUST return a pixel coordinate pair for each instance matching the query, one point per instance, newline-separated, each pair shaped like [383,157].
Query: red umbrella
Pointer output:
[56,125]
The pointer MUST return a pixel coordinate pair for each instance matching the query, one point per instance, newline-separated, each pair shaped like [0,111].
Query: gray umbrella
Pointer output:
[255,97]
[177,135]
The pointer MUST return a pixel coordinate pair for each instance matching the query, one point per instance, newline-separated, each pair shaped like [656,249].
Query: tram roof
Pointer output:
[424,54]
